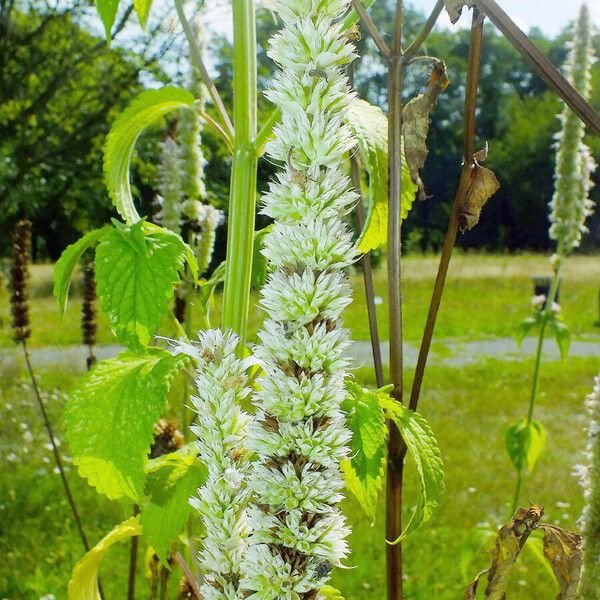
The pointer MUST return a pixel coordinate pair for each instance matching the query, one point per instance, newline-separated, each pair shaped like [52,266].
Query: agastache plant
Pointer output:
[589,476]
[299,432]
[221,384]
[571,205]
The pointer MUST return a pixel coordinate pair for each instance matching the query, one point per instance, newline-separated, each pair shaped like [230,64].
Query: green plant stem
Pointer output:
[535,383]
[188,575]
[242,202]
[196,55]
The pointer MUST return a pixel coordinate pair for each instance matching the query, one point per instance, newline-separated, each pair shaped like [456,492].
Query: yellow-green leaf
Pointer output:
[84,579]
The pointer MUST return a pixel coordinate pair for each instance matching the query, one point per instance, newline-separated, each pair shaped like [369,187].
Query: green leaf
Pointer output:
[525,326]
[135,275]
[423,447]
[535,548]
[83,584]
[67,262]
[329,593]
[370,127]
[110,419]
[107,10]
[562,335]
[364,471]
[143,111]
[525,443]
[142,8]
[171,480]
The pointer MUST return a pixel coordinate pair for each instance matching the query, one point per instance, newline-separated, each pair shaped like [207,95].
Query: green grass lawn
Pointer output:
[468,408]
[486,296]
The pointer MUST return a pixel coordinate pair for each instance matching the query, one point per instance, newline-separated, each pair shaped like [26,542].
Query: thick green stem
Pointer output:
[243,177]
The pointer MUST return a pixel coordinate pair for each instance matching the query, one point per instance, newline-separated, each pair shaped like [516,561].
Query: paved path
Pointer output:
[448,352]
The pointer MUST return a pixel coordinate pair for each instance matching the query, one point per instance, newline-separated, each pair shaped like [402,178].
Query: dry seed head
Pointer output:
[19,275]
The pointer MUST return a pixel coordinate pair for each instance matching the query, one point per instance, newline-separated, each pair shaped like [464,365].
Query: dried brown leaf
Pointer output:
[415,122]
[454,8]
[509,543]
[482,184]
[564,552]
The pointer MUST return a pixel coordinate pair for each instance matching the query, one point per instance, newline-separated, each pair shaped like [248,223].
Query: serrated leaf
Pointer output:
[142,8]
[509,542]
[525,326]
[525,443]
[110,419]
[369,125]
[562,335]
[329,593]
[171,480]
[142,112]
[83,584]
[67,262]
[363,473]
[135,278]
[415,122]
[424,449]
[107,11]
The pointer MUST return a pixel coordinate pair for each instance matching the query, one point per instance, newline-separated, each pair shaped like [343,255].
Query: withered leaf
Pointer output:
[415,122]
[454,8]
[482,184]
[564,552]
[509,543]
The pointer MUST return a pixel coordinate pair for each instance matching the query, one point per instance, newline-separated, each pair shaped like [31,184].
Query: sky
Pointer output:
[549,15]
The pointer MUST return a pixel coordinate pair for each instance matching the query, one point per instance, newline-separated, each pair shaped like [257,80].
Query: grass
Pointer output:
[486,296]
[469,409]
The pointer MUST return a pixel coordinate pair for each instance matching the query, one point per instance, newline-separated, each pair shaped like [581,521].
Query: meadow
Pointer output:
[469,406]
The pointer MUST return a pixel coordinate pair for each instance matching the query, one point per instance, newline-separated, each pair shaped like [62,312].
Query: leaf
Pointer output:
[329,593]
[143,111]
[478,540]
[509,542]
[535,547]
[259,262]
[110,419]
[171,480]
[482,184]
[415,122]
[525,326]
[142,8]
[564,551]
[525,443]
[454,8]
[135,275]
[67,262]
[562,335]
[369,125]
[363,473]
[107,10]
[424,449]
[83,584]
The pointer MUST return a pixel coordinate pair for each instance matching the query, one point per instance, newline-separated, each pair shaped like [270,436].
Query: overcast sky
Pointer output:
[549,15]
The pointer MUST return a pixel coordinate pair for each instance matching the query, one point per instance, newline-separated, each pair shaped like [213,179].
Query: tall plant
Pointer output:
[569,208]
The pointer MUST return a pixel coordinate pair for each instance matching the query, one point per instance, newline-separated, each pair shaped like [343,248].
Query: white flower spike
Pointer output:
[299,433]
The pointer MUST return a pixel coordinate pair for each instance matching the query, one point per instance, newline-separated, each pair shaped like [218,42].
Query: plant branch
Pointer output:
[224,135]
[365,17]
[199,63]
[368,278]
[541,65]
[414,46]
[396,445]
[57,458]
[473,69]
[133,554]
[188,575]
